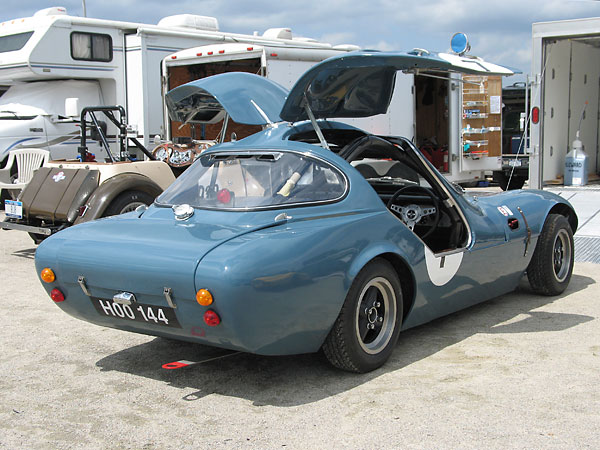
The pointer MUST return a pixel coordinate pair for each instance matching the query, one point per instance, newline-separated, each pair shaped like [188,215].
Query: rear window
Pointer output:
[14,42]
[255,180]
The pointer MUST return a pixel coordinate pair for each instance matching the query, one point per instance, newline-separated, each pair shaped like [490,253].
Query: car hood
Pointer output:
[247,98]
[360,84]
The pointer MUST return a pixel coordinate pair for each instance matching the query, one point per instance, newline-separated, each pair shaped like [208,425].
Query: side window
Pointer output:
[91,47]
[14,42]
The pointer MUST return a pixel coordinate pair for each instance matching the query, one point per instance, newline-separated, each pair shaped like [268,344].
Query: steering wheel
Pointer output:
[411,213]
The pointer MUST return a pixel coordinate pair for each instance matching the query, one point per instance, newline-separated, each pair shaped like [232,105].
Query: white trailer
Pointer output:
[565,75]
[119,61]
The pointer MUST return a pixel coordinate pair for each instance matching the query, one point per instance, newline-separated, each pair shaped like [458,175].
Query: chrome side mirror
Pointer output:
[458,188]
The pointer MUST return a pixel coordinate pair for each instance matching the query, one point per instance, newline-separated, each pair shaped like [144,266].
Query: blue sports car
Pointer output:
[310,234]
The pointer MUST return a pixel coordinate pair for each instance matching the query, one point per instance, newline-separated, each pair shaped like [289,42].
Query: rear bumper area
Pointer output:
[26,228]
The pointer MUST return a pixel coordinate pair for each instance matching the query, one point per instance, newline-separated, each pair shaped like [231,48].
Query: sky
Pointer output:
[498,30]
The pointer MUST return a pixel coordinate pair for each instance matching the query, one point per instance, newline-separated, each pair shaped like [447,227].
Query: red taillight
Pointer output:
[57,296]
[250,49]
[173,57]
[221,51]
[211,318]
[209,53]
[535,115]
[274,55]
[199,54]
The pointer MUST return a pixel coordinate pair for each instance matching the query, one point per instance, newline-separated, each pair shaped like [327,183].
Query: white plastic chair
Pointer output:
[28,160]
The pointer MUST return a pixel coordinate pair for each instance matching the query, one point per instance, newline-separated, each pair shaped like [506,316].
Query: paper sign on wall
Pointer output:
[495,104]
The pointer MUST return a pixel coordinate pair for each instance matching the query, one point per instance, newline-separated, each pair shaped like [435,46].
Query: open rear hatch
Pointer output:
[248,99]
[361,84]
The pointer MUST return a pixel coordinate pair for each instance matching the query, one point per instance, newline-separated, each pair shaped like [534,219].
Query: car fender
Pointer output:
[111,188]
[401,262]
[371,252]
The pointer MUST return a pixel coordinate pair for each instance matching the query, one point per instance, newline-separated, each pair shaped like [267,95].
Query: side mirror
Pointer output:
[72,107]
[458,188]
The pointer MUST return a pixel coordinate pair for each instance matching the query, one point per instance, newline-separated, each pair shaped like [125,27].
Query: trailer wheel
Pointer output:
[516,182]
[37,238]
[127,202]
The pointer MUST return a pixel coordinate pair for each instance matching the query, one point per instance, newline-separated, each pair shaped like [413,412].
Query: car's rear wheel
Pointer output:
[551,266]
[366,330]
[127,202]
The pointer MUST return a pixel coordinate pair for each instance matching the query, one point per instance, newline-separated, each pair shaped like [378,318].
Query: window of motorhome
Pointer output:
[91,47]
[14,42]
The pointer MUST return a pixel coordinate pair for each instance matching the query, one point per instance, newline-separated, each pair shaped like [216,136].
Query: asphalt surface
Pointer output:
[519,371]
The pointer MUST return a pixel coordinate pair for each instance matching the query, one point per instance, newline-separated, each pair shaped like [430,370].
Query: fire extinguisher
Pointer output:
[445,164]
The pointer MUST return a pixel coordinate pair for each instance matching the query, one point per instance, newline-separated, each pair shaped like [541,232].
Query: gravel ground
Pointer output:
[520,371]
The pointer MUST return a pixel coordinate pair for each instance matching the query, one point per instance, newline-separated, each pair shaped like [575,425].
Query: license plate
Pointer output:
[514,163]
[13,209]
[137,312]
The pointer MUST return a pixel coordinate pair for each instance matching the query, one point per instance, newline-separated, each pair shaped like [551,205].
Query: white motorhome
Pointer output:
[51,56]
[454,118]
[565,75]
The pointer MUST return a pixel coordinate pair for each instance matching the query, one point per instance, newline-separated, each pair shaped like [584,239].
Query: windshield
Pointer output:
[255,180]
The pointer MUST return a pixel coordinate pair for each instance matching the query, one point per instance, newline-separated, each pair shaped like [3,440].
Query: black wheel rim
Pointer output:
[561,256]
[375,315]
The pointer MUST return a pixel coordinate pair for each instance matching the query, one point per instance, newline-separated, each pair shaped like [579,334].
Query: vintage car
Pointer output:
[310,234]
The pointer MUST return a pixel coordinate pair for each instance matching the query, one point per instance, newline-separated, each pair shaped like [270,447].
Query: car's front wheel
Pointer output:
[551,266]
[366,330]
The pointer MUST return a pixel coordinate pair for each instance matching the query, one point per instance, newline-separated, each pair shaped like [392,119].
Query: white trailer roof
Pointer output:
[565,28]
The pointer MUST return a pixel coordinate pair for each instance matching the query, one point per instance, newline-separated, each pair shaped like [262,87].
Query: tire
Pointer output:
[374,300]
[551,265]
[37,238]
[516,182]
[127,202]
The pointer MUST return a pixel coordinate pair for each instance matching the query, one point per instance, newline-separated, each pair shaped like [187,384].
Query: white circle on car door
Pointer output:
[441,269]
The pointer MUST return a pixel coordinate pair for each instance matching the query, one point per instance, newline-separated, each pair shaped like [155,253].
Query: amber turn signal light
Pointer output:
[204,297]
[47,275]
